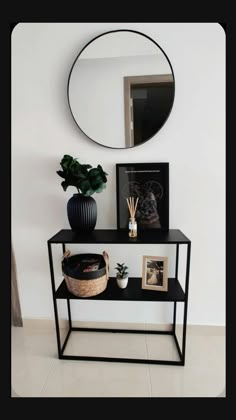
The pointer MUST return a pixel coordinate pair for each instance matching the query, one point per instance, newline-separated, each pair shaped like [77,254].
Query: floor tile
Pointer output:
[107,344]
[203,374]
[37,371]
[182,381]
[205,351]
[162,347]
[33,355]
[97,379]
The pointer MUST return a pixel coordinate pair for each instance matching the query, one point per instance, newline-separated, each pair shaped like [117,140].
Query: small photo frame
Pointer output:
[155,275]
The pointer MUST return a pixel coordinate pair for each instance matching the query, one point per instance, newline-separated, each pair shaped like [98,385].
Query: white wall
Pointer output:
[96,93]
[192,141]
[115,43]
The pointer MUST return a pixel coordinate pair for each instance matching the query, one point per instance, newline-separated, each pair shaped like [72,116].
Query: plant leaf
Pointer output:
[64,185]
[86,179]
[94,172]
[61,174]
[66,161]
[100,189]
[84,186]
[89,192]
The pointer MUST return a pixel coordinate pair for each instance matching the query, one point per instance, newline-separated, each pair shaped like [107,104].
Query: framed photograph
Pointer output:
[155,273]
[150,183]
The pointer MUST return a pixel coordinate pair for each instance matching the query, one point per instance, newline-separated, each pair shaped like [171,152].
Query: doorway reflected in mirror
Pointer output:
[148,101]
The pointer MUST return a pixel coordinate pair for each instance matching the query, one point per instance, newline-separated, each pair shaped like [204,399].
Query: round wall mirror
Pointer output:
[121,89]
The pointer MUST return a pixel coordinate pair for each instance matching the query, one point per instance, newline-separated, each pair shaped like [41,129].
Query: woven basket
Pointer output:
[85,284]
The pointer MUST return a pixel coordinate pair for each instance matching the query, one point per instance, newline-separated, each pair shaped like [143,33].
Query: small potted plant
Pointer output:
[122,275]
[81,207]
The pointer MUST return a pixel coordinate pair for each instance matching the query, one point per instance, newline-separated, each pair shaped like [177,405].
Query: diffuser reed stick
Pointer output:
[132,206]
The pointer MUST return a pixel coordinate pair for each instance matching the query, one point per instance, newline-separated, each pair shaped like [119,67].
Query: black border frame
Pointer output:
[68,83]
[227,24]
[141,165]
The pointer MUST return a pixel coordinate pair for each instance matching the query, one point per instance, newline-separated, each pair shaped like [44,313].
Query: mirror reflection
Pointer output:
[121,89]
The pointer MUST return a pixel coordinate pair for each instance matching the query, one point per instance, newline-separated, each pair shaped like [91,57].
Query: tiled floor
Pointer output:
[37,372]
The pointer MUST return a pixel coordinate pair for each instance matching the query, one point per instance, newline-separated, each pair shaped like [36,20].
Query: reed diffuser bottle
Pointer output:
[132,228]
[132,222]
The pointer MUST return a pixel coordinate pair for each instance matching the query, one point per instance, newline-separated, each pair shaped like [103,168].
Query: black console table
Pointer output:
[133,292]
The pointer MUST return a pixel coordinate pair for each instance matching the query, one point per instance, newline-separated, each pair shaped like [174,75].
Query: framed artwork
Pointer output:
[154,276]
[150,183]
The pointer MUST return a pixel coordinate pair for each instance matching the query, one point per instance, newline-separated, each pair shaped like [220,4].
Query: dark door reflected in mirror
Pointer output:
[146,99]
[121,89]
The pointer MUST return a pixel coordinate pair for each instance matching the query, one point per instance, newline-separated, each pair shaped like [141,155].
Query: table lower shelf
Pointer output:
[133,292]
[124,359]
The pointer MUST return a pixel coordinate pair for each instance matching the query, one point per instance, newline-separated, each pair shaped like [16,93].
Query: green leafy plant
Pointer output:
[121,271]
[86,179]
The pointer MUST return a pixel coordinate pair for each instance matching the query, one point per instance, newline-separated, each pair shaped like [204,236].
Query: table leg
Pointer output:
[54,299]
[186,302]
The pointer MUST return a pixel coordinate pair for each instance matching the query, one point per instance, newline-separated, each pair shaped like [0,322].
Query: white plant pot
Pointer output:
[122,283]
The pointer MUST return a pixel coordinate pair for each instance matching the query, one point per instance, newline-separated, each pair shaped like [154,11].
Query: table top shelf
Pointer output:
[133,292]
[114,236]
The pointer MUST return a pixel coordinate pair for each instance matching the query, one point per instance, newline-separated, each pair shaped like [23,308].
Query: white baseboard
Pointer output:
[191,329]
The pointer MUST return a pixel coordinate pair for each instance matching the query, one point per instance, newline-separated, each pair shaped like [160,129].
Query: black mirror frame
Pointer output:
[68,82]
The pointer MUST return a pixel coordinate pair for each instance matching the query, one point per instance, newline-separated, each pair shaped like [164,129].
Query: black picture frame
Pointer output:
[149,182]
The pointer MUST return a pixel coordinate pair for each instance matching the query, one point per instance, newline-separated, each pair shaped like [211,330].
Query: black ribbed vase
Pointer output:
[82,213]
